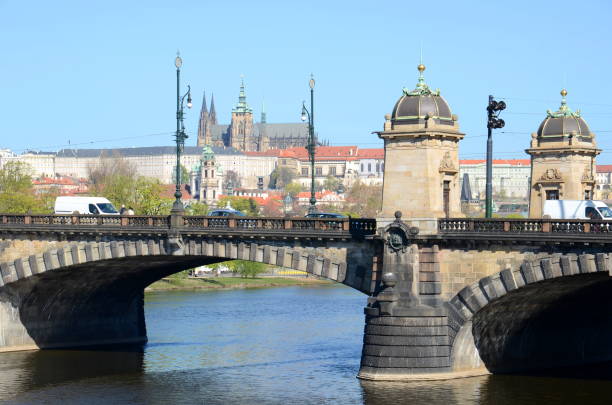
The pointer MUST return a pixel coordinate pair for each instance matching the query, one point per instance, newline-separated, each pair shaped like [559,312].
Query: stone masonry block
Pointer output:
[65,256]
[105,251]
[310,263]
[407,321]
[36,264]
[462,310]
[325,267]
[406,351]
[507,278]
[430,288]
[51,260]
[253,252]
[587,263]
[341,272]
[406,330]
[529,274]
[8,273]
[442,340]
[486,284]
[473,297]
[295,260]
[430,276]
[22,268]
[142,249]
[374,361]
[280,257]
[601,261]
[154,249]
[266,255]
[565,263]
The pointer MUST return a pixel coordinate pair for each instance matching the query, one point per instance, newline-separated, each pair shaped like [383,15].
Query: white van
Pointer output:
[577,209]
[84,205]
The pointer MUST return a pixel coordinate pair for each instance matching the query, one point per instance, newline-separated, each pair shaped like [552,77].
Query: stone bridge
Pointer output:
[474,296]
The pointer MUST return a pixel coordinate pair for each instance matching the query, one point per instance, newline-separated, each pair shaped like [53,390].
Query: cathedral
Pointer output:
[243,133]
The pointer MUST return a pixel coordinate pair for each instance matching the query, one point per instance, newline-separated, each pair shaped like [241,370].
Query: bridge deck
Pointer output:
[538,229]
[256,226]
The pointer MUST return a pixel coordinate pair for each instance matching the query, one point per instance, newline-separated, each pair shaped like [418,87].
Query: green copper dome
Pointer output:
[422,102]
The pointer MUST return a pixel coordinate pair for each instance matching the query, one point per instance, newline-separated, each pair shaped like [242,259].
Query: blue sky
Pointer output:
[101,74]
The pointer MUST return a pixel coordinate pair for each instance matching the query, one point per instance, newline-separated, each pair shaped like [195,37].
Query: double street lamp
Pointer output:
[311,146]
[180,135]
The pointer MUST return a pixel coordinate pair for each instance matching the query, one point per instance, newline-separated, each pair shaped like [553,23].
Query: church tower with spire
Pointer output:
[241,127]
[202,124]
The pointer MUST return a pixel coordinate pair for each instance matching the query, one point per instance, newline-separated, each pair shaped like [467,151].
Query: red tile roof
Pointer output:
[604,168]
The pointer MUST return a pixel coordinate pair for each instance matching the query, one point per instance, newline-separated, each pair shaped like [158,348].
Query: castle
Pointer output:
[245,135]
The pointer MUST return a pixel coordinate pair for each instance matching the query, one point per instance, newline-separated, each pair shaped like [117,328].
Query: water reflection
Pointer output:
[25,371]
[282,346]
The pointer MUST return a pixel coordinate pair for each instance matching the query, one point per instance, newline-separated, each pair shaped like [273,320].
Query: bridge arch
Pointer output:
[547,313]
[91,293]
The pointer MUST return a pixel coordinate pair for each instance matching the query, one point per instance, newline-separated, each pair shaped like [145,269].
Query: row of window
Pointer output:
[379,167]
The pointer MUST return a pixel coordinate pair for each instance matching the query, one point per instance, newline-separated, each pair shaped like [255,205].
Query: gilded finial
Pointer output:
[563,93]
[421,68]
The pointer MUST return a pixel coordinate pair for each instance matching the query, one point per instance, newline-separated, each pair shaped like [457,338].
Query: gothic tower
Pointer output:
[241,127]
[202,123]
[421,175]
[263,143]
[563,152]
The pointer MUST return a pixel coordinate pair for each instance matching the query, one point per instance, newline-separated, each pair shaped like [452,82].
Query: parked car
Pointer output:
[577,209]
[224,212]
[84,205]
[325,215]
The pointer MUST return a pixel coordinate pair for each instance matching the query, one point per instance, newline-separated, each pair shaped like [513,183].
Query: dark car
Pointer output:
[226,213]
[325,215]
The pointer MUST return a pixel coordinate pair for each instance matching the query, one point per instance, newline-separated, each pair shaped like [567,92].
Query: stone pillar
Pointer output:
[403,339]
[563,153]
[421,158]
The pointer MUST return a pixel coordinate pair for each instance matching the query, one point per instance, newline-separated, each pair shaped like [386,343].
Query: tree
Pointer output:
[363,199]
[331,183]
[281,177]
[231,177]
[16,191]
[247,205]
[197,208]
[246,268]
[293,189]
[115,178]
[147,198]
[185,177]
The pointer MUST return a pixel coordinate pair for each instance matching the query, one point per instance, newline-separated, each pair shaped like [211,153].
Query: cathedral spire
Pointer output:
[263,112]
[242,106]
[213,114]
[202,122]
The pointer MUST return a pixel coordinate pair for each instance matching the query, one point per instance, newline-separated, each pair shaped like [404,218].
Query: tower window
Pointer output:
[552,194]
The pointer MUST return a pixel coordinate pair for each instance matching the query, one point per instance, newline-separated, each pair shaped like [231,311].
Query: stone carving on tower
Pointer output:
[421,156]
[563,152]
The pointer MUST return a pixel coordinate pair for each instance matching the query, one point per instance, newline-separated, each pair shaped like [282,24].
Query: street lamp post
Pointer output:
[311,147]
[180,135]
[493,121]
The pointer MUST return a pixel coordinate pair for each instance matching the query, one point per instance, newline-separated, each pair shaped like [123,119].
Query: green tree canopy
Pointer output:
[16,191]
[281,177]
[247,205]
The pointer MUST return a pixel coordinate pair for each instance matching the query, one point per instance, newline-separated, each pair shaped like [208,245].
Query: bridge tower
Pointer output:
[421,176]
[563,152]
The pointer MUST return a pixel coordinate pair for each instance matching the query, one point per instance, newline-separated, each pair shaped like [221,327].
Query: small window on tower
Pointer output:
[552,194]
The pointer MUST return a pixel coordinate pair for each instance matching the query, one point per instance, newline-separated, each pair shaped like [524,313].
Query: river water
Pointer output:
[294,345]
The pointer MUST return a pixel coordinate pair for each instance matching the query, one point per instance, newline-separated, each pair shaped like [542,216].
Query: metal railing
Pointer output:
[523,226]
[357,226]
